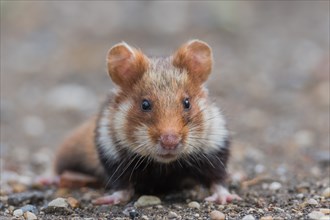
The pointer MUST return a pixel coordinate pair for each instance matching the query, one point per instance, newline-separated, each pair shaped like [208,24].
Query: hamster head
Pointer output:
[161,110]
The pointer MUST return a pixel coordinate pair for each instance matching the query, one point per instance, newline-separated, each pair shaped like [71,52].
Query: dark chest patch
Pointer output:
[148,176]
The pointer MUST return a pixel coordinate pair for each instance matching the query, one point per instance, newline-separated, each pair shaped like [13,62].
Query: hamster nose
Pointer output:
[169,141]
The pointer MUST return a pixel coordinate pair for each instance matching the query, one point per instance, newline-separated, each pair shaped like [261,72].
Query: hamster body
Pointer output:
[158,131]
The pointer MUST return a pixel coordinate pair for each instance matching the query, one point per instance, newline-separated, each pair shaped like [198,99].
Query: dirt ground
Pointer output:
[270,78]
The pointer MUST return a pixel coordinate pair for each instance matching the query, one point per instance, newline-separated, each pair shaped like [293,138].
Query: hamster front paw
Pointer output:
[121,196]
[221,195]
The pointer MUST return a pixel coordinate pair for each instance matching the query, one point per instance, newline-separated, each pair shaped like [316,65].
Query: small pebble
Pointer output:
[144,217]
[221,207]
[303,187]
[312,202]
[172,215]
[30,216]
[177,207]
[30,208]
[275,186]
[133,214]
[266,218]
[325,211]
[18,213]
[73,202]
[18,187]
[300,196]
[18,198]
[248,217]
[216,215]
[261,211]
[159,207]
[194,204]
[326,193]
[315,215]
[147,201]
[278,209]
[58,206]
[59,202]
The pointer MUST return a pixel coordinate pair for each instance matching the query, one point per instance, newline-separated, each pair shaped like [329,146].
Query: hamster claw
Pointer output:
[115,198]
[221,195]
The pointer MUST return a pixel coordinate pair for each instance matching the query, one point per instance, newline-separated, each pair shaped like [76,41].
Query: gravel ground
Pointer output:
[271,79]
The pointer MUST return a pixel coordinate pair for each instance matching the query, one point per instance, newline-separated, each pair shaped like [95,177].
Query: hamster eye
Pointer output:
[146,105]
[186,104]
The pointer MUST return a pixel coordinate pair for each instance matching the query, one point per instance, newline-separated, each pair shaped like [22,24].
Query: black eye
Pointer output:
[146,105]
[186,104]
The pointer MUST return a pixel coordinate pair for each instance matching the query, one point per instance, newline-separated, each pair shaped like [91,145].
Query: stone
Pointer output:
[30,216]
[325,217]
[268,217]
[177,207]
[312,202]
[274,186]
[326,193]
[147,201]
[216,215]
[159,207]
[325,211]
[172,215]
[58,206]
[315,215]
[73,202]
[18,213]
[59,202]
[133,214]
[194,204]
[248,217]
[30,208]
[300,196]
[144,217]
[303,187]
[18,198]
[18,187]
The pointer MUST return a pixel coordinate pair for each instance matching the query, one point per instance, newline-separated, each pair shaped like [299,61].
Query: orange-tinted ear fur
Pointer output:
[196,57]
[126,64]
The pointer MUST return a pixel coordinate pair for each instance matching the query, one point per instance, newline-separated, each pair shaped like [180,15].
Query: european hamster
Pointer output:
[158,131]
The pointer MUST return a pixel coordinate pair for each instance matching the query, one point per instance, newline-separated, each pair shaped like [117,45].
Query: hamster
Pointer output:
[157,132]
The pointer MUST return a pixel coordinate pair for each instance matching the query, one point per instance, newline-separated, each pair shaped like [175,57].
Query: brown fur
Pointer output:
[196,57]
[166,94]
[78,152]
[126,65]
[123,132]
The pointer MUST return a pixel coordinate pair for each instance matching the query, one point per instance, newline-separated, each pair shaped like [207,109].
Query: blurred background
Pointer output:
[271,74]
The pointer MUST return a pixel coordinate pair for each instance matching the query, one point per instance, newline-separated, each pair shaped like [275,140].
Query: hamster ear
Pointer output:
[196,57]
[126,65]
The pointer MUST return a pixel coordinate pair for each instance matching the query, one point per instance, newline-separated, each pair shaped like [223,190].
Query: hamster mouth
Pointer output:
[165,155]
[166,158]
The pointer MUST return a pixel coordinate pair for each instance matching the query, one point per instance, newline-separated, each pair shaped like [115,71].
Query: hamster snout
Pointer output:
[169,141]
